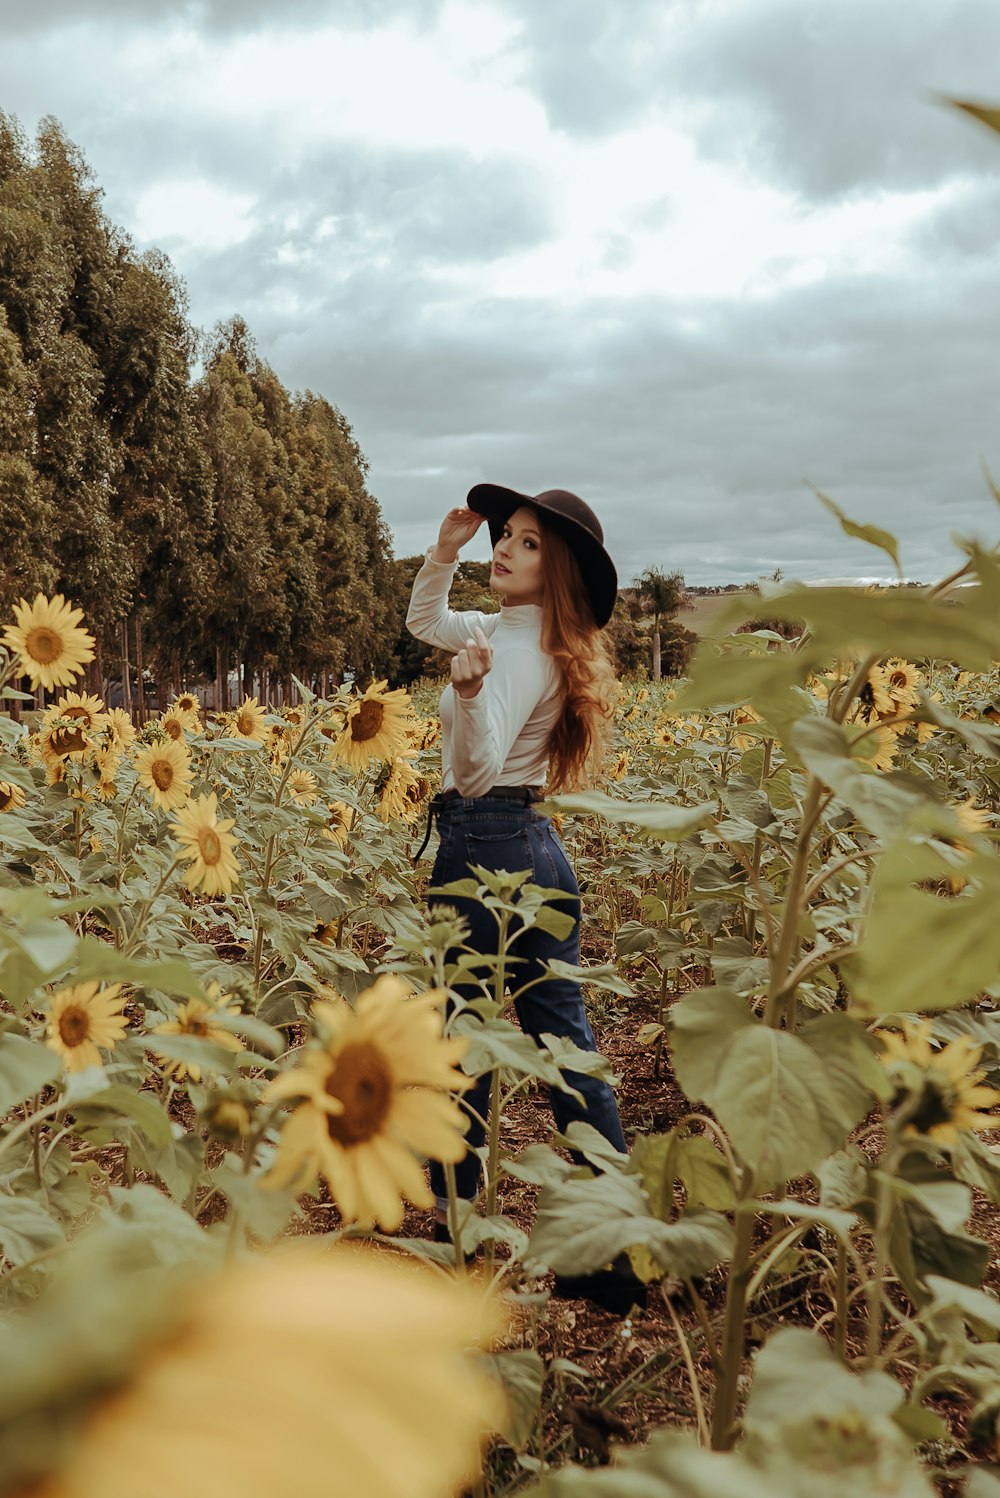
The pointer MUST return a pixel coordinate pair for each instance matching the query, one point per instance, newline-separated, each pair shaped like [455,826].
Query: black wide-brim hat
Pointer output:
[575,522]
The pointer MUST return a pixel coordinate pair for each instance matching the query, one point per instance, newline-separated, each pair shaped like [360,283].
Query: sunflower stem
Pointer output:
[36,1144]
[147,905]
[840,1322]
[723,1435]
[454,1227]
[258,946]
[493,1162]
[26,1125]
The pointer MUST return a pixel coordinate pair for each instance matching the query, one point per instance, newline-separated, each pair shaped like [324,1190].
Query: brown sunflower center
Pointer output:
[172,728]
[68,741]
[898,680]
[162,772]
[6,796]
[367,721]
[195,1025]
[363,1083]
[936,1105]
[209,846]
[74,1025]
[245,723]
[44,645]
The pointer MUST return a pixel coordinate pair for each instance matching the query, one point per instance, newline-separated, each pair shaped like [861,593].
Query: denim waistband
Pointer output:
[521,796]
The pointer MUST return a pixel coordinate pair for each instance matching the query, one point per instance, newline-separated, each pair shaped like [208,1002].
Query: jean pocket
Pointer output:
[507,852]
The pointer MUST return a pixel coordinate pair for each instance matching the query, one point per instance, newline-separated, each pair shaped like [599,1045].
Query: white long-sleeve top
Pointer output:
[498,737]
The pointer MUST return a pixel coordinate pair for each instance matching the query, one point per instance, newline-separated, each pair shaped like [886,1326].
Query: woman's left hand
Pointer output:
[471,664]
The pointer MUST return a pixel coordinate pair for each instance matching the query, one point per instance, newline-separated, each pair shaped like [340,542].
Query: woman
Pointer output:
[530,703]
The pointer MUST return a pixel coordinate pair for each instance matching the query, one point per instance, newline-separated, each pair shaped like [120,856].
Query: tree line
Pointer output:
[205,518]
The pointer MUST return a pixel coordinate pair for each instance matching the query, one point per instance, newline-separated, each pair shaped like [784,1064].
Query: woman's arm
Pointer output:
[486,726]
[428,616]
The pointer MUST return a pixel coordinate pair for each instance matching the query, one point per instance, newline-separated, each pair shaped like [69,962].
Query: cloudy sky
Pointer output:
[688,259]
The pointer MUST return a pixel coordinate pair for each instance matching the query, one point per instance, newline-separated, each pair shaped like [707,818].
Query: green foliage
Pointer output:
[226,520]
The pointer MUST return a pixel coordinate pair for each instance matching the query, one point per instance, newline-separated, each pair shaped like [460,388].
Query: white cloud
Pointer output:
[192,212]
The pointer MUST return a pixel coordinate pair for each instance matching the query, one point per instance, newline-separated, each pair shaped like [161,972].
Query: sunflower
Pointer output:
[424,733]
[875,697]
[878,747]
[398,798]
[67,728]
[972,818]
[743,716]
[278,742]
[376,727]
[105,762]
[83,707]
[373,1098]
[227,1115]
[81,1019]
[339,823]
[199,1017]
[942,1088]
[188,704]
[164,770]
[293,716]
[50,646]
[121,729]
[902,680]
[620,767]
[302,785]
[305,1371]
[59,739]
[926,730]
[248,722]
[11,796]
[174,723]
[208,845]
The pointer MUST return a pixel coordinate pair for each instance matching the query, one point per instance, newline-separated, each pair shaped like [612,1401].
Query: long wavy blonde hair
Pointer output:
[578,741]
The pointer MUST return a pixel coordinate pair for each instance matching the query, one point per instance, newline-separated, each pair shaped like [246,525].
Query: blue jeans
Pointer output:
[505,835]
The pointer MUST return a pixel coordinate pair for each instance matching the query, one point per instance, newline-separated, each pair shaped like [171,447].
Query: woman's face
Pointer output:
[517,560]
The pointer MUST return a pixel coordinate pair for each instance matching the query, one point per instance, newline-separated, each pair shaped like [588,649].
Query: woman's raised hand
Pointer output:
[457,527]
[471,664]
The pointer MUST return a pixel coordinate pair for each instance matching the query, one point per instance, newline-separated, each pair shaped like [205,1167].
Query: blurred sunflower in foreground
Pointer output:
[373,1100]
[376,728]
[296,1374]
[47,642]
[940,1091]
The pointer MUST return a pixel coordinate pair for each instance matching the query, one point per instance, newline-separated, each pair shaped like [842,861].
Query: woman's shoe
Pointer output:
[616,1289]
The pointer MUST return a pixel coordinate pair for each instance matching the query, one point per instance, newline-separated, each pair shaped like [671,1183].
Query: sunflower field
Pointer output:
[227,1051]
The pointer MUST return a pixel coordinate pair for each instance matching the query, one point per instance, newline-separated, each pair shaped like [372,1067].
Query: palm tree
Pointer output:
[661,594]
